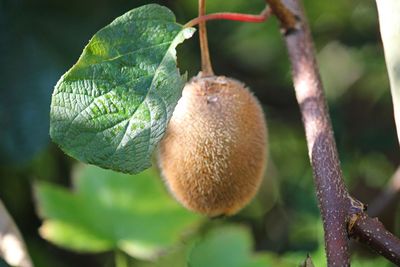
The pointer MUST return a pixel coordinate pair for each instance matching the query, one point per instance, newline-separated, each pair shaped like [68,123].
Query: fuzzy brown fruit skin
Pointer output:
[213,154]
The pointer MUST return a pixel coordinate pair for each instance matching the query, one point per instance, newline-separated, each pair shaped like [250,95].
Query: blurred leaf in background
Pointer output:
[360,261]
[340,68]
[109,210]
[229,246]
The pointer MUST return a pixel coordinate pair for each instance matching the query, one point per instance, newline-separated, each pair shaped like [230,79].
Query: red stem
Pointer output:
[263,16]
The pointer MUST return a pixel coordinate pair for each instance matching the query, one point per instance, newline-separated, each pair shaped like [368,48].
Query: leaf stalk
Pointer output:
[262,17]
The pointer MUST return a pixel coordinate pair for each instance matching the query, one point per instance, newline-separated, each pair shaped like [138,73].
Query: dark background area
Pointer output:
[41,39]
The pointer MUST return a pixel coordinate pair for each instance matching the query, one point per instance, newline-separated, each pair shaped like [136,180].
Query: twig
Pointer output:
[12,246]
[371,232]
[286,17]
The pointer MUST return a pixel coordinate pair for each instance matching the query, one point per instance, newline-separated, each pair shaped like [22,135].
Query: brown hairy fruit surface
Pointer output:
[213,154]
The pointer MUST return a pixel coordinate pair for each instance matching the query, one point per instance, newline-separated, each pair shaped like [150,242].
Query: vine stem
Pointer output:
[371,232]
[331,191]
[206,66]
[263,16]
[342,215]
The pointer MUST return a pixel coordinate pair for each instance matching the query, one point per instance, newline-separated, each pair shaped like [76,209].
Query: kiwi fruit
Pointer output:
[213,154]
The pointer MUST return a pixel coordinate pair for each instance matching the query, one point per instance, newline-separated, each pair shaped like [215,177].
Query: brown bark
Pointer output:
[372,232]
[339,211]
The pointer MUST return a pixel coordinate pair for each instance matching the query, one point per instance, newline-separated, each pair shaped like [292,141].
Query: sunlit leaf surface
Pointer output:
[112,107]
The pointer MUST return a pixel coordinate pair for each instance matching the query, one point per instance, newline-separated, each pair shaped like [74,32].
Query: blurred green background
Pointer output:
[41,39]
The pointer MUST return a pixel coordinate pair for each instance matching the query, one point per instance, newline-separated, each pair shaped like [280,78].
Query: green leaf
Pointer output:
[112,107]
[228,246]
[389,21]
[110,210]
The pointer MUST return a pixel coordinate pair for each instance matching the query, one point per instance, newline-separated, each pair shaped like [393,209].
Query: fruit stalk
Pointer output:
[206,66]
